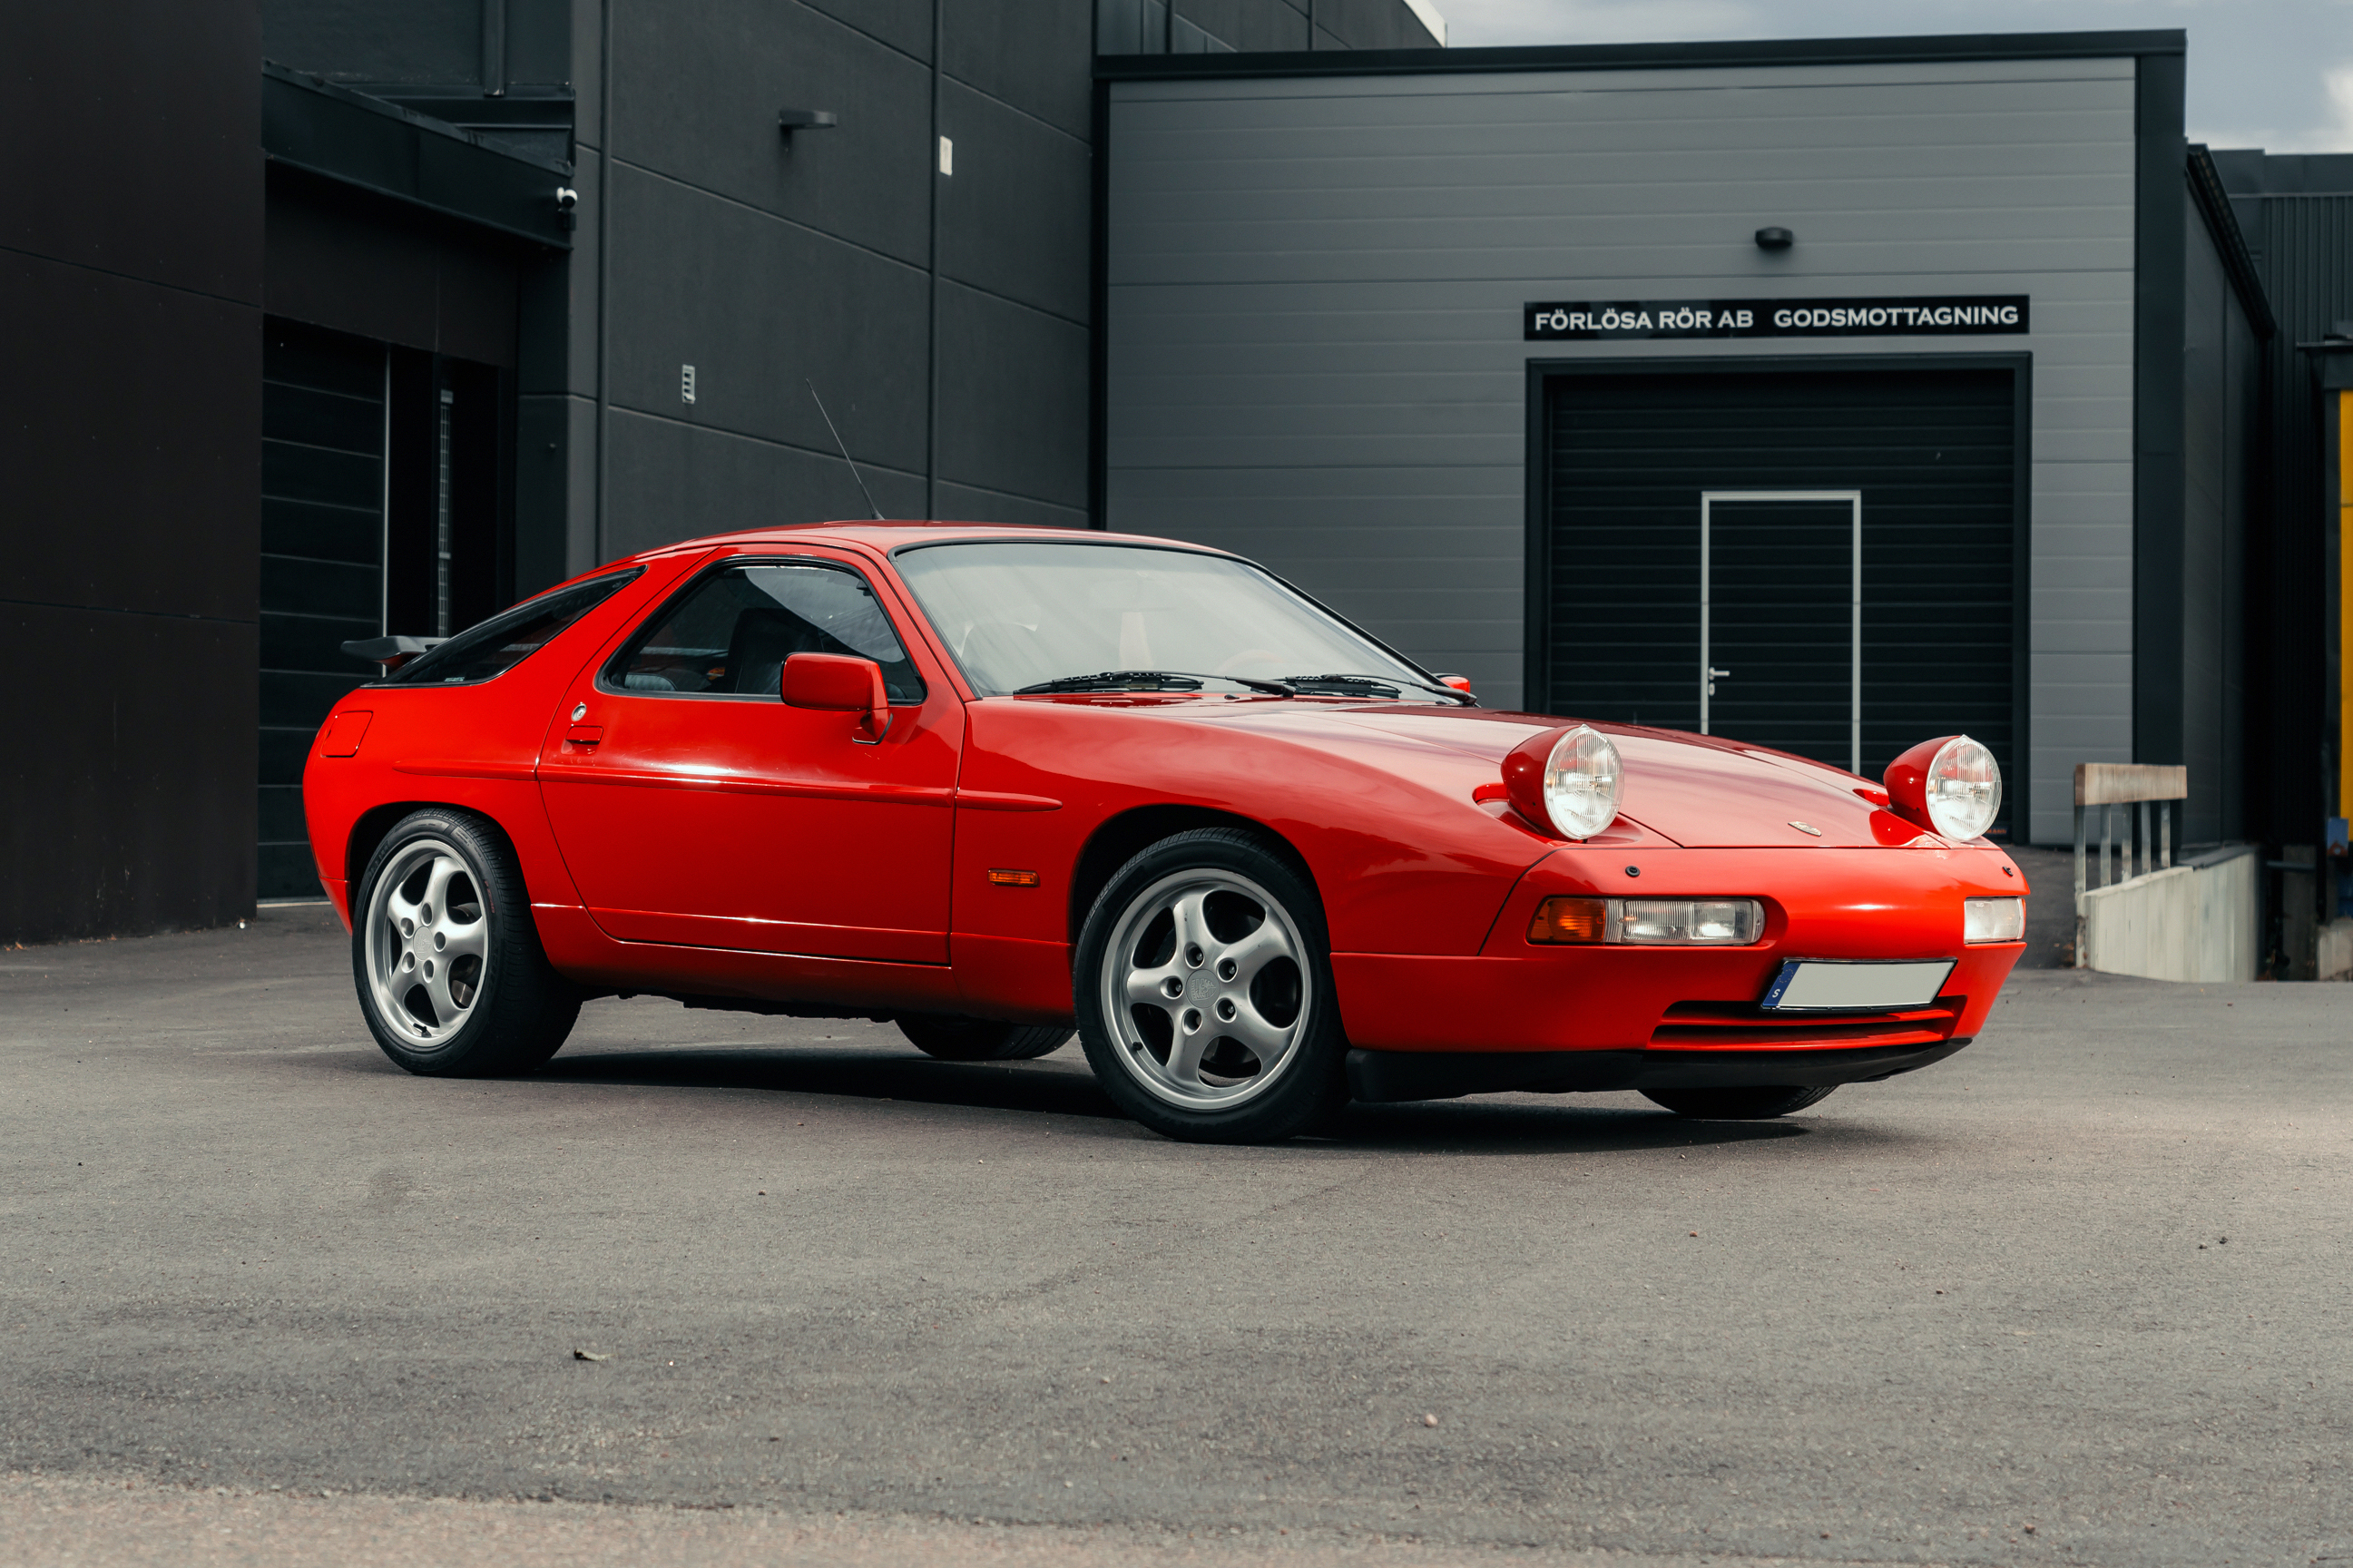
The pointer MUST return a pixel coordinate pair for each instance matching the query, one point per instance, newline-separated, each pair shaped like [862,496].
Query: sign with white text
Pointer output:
[1925,316]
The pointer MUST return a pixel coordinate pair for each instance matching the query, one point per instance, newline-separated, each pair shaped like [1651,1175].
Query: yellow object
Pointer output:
[1567,921]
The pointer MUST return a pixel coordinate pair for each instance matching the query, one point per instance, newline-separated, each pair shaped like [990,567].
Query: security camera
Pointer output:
[566,198]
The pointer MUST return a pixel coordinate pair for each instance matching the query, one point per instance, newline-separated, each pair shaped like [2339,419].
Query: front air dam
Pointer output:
[1380,1077]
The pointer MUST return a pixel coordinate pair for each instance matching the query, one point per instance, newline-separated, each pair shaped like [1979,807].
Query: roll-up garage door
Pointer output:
[1629,593]
[323,425]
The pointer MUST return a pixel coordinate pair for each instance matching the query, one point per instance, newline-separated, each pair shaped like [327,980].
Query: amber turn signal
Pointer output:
[1569,920]
[1013,879]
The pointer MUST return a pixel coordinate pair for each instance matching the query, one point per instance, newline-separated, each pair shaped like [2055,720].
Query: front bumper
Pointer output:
[1688,1010]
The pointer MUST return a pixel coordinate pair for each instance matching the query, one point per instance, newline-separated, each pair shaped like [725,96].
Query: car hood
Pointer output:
[1700,791]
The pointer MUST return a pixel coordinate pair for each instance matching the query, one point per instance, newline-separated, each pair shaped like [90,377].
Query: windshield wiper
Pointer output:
[1382,685]
[1148,681]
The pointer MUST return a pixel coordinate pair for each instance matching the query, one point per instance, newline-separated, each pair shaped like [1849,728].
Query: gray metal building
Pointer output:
[1915,383]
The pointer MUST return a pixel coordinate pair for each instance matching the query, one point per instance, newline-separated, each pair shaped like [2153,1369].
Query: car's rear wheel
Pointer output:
[451,977]
[1204,993]
[1747,1104]
[981,1039]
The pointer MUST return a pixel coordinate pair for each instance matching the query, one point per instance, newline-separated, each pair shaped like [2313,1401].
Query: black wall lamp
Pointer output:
[791,120]
[1775,239]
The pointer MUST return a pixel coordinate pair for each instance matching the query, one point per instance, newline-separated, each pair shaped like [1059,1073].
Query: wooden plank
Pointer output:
[2117,784]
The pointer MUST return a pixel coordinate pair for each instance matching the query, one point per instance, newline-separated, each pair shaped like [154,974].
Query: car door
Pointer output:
[693,806]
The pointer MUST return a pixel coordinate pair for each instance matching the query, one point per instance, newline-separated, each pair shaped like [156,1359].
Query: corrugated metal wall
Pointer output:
[1314,299]
[2307,260]
[2221,370]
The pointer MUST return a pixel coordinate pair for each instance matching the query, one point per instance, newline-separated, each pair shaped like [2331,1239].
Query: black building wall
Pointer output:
[131,275]
[167,542]
[2297,211]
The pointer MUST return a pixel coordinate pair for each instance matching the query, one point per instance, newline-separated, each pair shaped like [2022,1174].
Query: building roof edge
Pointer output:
[1926,48]
[2213,202]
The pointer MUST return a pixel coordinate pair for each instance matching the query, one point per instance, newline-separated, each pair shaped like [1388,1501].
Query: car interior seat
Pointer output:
[764,636]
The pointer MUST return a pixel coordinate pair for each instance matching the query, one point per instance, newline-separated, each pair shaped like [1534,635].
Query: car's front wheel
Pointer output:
[451,977]
[1204,993]
[1756,1104]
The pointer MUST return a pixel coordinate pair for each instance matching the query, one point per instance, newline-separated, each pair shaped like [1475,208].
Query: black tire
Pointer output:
[951,1040]
[511,1011]
[1761,1103]
[1247,884]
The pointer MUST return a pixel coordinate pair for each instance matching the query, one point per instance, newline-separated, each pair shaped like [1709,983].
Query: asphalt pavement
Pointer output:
[2077,1295]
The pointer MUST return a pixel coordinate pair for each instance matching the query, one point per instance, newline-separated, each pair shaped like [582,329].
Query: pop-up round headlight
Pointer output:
[1567,779]
[1582,781]
[1951,786]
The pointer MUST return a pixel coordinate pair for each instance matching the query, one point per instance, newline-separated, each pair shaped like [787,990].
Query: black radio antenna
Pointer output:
[846,458]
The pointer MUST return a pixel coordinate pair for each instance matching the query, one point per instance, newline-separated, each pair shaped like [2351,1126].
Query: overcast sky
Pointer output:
[2276,74]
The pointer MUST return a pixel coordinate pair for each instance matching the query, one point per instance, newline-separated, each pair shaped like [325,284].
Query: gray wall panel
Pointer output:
[1315,293]
[964,503]
[2220,364]
[1014,217]
[695,93]
[2205,462]
[1013,398]
[587,72]
[365,41]
[904,24]
[757,305]
[670,482]
[555,311]
[1036,56]
[546,455]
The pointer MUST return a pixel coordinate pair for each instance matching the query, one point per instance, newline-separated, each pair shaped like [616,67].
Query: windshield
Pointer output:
[1018,615]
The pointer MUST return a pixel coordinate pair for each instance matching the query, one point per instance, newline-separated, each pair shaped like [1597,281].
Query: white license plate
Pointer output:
[1810,986]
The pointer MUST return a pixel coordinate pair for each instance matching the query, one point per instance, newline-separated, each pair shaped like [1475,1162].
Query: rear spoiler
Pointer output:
[392,652]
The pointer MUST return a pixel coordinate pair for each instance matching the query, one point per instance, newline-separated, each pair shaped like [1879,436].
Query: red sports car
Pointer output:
[994,784]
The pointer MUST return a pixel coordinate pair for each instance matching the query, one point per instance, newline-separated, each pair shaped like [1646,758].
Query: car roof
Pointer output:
[886,535]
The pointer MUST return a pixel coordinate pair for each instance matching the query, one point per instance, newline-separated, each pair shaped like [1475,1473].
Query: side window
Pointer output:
[505,640]
[729,633]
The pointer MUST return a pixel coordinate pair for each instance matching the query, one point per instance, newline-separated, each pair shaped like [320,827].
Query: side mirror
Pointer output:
[838,683]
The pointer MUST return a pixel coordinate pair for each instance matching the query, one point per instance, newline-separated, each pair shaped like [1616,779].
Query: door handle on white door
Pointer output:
[1715,674]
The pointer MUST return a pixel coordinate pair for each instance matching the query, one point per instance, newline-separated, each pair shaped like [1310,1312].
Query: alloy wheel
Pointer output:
[1205,985]
[427,942]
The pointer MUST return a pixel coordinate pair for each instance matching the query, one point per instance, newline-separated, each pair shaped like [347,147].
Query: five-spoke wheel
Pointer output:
[1207,978]
[427,940]
[1205,991]
[450,974]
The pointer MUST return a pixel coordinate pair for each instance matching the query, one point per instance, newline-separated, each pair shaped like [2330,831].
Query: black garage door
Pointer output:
[1929,457]
[323,490]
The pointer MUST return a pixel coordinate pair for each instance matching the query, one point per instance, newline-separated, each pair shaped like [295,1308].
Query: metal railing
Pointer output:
[2107,785]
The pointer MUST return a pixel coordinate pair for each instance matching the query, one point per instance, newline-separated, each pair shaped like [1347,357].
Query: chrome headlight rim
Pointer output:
[1583,782]
[1964,806]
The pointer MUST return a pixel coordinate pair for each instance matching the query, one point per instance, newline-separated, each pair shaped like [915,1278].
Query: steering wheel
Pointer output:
[1245,656]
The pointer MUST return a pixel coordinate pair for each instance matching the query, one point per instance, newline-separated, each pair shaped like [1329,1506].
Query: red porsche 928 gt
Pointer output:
[995,784]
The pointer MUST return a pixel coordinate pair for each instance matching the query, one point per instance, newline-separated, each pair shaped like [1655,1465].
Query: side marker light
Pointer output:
[1004,878]
[1564,921]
